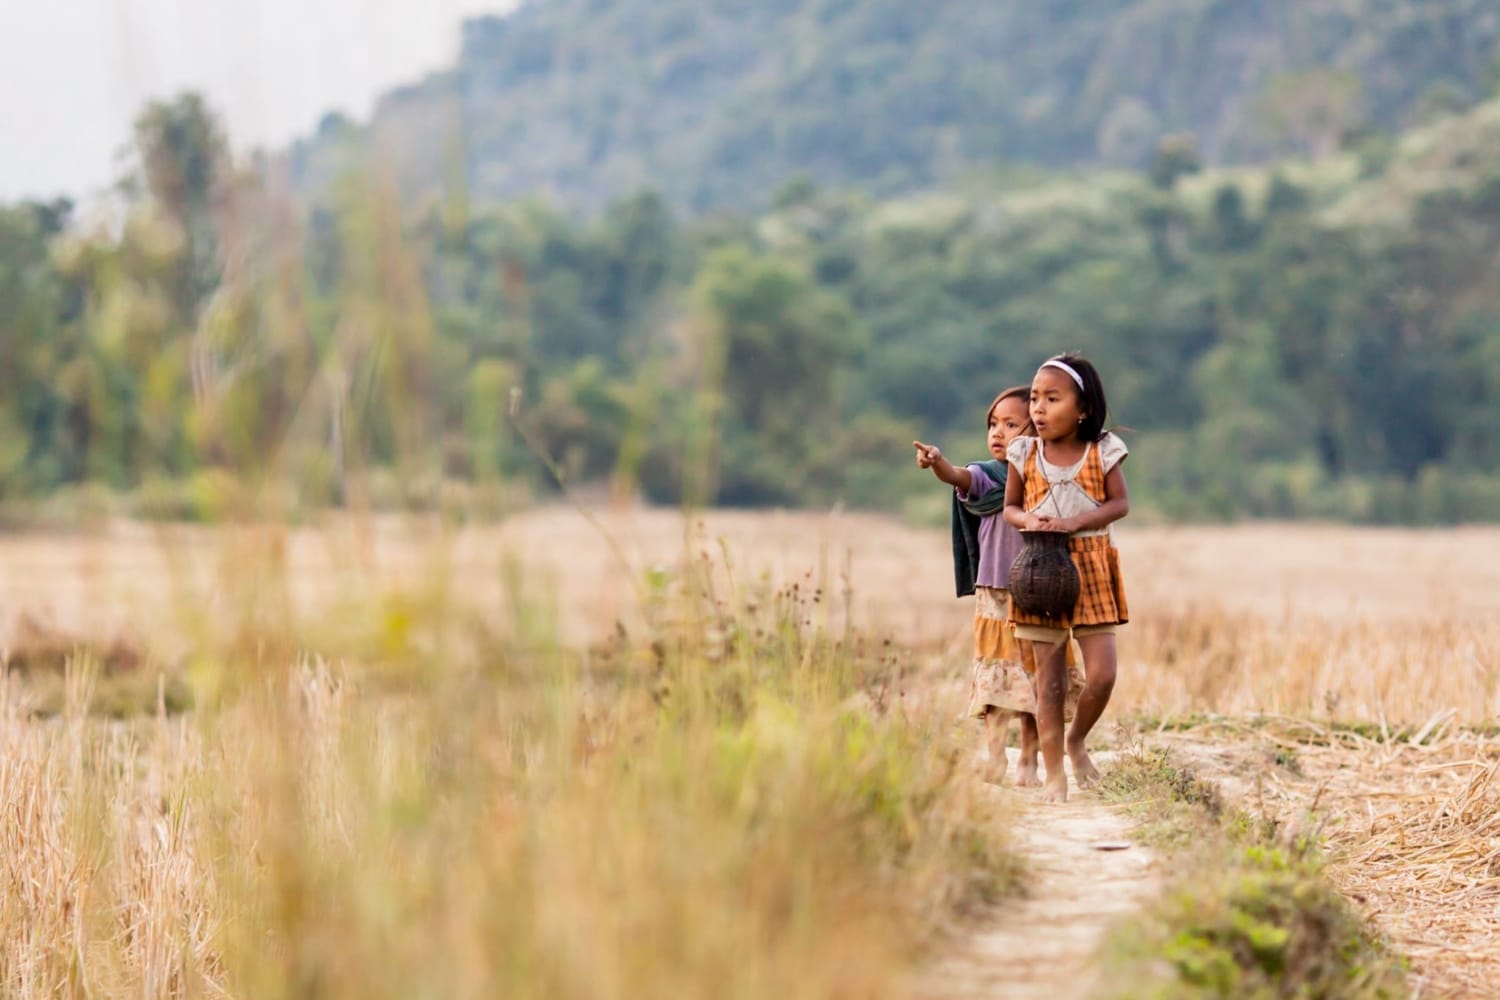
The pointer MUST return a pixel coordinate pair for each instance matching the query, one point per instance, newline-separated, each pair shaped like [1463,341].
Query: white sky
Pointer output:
[74,73]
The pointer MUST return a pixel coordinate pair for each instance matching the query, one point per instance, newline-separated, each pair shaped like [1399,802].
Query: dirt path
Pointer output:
[1086,873]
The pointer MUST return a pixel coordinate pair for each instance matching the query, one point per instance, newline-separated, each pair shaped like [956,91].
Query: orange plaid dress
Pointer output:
[1101,592]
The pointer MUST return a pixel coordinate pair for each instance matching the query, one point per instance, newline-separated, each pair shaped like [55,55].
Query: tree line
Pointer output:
[1298,340]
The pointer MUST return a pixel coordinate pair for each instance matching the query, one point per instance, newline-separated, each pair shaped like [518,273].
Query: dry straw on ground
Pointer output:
[1411,821]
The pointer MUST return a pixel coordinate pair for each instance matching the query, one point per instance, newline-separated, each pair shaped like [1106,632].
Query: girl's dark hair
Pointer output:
[1021,392]
[1090,398]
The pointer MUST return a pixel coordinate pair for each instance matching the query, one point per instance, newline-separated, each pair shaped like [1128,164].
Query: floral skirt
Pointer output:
[1005,667]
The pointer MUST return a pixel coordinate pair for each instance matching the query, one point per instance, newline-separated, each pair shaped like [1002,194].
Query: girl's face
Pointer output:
[1055,405]
[1008,420]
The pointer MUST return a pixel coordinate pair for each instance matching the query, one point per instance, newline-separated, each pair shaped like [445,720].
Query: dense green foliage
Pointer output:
[1304,340]
[716,102]
[1299,343]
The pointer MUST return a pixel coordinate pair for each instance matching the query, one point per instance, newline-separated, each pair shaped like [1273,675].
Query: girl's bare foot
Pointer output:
[997,734]
[1084,771]
[1056,789]
[1028,776]
[993,770]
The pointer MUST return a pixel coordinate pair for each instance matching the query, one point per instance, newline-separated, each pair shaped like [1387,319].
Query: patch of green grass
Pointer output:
[1173,806]
[1287,759]
[1247,911]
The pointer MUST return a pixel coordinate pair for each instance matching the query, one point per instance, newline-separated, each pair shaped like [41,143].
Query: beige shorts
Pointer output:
[1052,636]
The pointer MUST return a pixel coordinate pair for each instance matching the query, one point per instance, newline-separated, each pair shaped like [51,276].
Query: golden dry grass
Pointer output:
[608,756]
[463,806]
[1323,620]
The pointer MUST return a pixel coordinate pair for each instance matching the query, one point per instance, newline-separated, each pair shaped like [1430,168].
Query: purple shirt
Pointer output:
[999,542]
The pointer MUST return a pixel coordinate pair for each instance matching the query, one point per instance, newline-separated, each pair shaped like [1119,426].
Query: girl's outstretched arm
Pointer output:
[930,456]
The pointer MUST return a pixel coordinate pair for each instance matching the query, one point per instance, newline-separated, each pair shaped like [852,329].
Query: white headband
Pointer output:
[1054,363]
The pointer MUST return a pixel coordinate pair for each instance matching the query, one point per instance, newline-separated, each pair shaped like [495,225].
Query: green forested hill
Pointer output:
[717,102]
[1311,336]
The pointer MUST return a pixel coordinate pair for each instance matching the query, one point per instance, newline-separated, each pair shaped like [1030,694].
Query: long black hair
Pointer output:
[1090,396]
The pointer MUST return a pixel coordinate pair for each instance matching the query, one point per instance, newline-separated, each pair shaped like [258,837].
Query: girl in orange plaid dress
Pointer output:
[1068,477]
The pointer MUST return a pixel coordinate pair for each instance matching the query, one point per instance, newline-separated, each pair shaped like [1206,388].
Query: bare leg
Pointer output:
[1051,688]
[996,731]
[1099,683]
[1027,776]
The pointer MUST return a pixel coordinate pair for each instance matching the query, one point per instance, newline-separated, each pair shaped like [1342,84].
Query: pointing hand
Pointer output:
[928,455]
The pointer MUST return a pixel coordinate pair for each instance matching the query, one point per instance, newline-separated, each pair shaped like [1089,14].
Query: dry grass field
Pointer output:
[1364,625]
[611,756]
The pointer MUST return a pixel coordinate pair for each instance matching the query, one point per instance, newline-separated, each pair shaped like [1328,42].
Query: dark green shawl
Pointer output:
[966,517]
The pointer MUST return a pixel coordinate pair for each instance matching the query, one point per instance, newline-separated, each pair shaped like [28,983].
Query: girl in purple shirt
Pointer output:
[1004,682]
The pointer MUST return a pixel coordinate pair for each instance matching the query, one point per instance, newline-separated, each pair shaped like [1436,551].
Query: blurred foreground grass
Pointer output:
[729,800]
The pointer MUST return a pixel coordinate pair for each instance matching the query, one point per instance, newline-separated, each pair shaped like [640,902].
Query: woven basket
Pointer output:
[1043,580]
